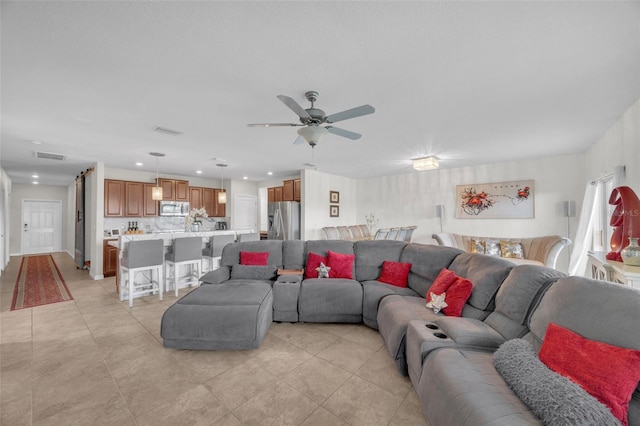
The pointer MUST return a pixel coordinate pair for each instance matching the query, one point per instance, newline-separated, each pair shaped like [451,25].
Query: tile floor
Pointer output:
[95,361]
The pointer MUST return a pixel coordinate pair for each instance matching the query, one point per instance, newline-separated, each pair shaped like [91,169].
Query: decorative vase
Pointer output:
[195,227]
[631,253]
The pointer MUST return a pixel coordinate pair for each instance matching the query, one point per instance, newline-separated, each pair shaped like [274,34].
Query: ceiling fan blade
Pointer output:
[299,140]
[273,125]
[350,113]
[295,107]
[344,133]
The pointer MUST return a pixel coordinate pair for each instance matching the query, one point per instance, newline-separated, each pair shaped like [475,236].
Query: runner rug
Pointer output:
[39,283]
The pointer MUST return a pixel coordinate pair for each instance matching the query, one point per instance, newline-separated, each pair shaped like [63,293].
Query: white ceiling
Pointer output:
[470,82]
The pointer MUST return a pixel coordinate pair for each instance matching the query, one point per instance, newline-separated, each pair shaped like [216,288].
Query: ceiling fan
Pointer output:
[312,118]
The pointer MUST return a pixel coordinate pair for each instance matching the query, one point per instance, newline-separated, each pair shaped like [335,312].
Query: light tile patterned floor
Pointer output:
[95,361]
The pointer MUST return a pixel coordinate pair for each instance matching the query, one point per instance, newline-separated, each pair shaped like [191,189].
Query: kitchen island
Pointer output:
[167,241]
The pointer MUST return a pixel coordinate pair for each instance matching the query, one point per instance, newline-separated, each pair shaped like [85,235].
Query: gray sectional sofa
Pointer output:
[448,359]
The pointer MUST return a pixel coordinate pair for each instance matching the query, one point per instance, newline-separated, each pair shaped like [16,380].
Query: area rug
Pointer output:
[39,283]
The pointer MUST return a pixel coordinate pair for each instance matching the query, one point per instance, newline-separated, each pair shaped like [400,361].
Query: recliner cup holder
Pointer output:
[440,335]
[431,326]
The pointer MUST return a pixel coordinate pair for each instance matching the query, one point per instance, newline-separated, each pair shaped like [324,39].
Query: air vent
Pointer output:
[309,165]
[168,131]
[50,155]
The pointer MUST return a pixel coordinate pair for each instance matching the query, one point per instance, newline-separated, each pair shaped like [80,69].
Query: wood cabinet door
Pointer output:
[277,193]
[297,190]
[109,260]
[182,190]
[168,188]
[220,208]
[208,201]
[149,205]
[133,199]
[195,197]
[287,190]
[113,198]
[271,195]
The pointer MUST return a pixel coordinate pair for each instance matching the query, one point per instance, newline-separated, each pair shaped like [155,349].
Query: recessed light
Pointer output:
[139,164]
[34,182]
[36,142]
[269,173]
[199,172]
[245,177]
[35,176]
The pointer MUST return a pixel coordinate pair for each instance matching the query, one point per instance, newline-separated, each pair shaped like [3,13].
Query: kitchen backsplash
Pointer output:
[156,224]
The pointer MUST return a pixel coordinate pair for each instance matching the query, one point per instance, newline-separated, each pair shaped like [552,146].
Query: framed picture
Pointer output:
[334,197]
[501,200]
[334,211]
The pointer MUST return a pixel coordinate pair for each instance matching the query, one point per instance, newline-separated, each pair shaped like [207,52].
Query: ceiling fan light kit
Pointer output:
[426,163]
[312,118]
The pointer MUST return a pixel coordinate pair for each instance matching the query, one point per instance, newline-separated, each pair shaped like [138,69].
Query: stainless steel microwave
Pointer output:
[174,208]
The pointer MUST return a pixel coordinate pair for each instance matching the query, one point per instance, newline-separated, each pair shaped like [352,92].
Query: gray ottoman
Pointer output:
[219,316]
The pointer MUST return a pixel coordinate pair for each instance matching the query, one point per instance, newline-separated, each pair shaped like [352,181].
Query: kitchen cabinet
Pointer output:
[195,198]
[133,199]
[287,190]
[114,198]
[277,191]
[149,205]
[297,190]
[271,195]
[109,259]
[174,190]
[208,201]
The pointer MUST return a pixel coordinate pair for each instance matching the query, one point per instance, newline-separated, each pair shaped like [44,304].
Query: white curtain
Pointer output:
[586,227]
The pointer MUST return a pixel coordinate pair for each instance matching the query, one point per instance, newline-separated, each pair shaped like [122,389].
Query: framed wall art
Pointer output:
[334,197]
[500,200]
[334,211]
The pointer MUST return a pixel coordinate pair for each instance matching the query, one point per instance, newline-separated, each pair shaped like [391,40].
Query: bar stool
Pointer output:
[184,252]
[141,256]
[214,251]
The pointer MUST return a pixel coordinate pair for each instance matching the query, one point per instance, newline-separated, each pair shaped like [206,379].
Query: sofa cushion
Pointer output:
[254,258]
[395,273]
[330,300]
[231,252]
[341,265]
[457,291]
[609,373]
[426,263]
[596,310]
[370,255]
[313,262]
[486,273]
[373,292]
[253,272]
[511,249]
[552,397]
[293,255]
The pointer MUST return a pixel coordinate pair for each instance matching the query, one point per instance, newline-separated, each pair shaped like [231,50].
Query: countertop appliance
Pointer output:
[221,225]
[174,208]
[284,220]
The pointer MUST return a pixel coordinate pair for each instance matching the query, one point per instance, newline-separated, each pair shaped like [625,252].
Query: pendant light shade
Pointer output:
[312,134]
[156,191]
[222,195]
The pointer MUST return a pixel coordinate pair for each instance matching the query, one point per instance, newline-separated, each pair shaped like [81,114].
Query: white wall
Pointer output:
[5,228]
[411,199]
[619,146]
[315,202]
[21,192]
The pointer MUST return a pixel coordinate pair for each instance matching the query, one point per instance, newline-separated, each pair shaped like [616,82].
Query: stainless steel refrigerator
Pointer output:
[284,220]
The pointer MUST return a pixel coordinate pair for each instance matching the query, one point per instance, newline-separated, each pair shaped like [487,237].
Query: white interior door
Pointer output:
[41,226]
[246,212]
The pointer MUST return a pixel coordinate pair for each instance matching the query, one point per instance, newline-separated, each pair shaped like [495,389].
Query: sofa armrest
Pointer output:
[443,239]
[217,276]
[554,251]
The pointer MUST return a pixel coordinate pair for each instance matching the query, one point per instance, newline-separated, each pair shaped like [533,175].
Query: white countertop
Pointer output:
[169,236]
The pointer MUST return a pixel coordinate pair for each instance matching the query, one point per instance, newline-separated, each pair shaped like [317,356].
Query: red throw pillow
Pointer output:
[254,258]
[458,291]
[609,373]
[395,273]
[313,261]
[341,264]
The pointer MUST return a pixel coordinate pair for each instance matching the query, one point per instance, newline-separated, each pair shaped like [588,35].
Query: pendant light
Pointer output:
[156,191]
[222,195]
